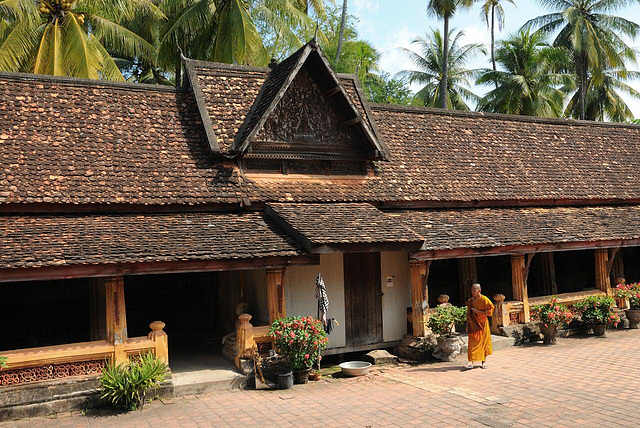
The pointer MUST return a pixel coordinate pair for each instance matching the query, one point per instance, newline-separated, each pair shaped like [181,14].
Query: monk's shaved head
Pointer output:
[476,286]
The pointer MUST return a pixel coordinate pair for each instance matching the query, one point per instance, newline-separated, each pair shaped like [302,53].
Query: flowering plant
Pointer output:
[631,292]
[552,313]
[595,310]
[443,320]
[300,340]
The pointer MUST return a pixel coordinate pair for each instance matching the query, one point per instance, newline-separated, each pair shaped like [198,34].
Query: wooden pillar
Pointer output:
[97,302]
[500,316]
[243,338]
[275,294]
[467,275]
[115,310]
[519,283]
[617,270]
[419,273]
[549,285]
[603,282]
[161,339]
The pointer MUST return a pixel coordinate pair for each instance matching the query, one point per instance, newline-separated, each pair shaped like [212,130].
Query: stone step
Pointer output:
[497,342]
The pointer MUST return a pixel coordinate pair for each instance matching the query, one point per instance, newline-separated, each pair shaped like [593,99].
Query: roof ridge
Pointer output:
[501,116]
[96,83]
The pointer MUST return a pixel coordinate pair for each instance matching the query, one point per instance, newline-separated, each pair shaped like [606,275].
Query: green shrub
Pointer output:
[443,320]
[125,385]
[594,310]
[300,340]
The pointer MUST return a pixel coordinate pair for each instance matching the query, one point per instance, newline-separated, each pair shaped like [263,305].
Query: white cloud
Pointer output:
[393,59]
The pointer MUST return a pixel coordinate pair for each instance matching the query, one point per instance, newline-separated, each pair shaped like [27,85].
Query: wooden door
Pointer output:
[363,303]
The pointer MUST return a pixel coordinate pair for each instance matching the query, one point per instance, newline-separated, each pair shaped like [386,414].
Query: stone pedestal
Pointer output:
[416,348]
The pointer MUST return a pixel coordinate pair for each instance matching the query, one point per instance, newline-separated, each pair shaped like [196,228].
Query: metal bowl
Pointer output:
[355,368]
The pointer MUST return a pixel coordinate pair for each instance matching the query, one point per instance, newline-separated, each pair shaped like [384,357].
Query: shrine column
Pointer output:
[419,273]
[603,282]
[275,294]
[116,316]
[519,284]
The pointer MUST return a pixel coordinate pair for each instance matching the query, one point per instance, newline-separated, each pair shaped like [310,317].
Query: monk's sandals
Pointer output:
[469,366]
[483,365]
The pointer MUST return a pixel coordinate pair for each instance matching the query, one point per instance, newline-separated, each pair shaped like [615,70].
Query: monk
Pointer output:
[479,307]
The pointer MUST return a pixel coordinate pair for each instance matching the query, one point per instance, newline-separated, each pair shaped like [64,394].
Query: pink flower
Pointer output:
[292,334]
[306,356]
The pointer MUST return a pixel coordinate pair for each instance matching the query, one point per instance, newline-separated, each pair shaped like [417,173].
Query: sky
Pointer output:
[390,24]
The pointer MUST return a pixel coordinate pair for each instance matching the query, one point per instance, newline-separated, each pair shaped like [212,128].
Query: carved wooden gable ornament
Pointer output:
[304,121]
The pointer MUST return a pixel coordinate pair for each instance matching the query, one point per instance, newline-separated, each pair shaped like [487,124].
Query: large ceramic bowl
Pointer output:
[355,368]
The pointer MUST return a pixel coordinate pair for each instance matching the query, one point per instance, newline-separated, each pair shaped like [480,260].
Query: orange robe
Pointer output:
[478,329]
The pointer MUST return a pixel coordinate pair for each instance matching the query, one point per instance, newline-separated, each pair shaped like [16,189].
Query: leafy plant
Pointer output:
[631,292]
[552,313]
[3,362]
[300,340]
[443,321]
[125,385]
[595,310]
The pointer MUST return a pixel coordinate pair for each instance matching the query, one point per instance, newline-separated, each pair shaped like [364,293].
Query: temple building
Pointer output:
[127,204]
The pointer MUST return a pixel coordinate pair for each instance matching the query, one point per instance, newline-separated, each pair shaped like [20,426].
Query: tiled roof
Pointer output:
[37,241]
[340,223]
[505,227]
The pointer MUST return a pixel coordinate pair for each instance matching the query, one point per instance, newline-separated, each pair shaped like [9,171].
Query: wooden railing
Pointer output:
[248,337]
[79,358]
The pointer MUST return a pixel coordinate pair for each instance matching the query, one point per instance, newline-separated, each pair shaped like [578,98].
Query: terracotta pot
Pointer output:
[550,332]
[315,376]
[599,329]
[301,376]
[633,315]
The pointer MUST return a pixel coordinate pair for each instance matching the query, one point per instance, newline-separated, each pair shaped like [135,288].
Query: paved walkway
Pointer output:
[578,382]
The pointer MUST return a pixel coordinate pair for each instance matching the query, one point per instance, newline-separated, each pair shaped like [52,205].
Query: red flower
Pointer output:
[306,356]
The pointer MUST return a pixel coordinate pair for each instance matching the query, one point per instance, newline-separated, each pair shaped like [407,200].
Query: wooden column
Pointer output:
[500,316]
[549,285]
[243,338]
[115,310]
[97,301]
[419,273]
[519,283]
[158,335]
[603,282]
[618,268]
[275,294]
[467,275]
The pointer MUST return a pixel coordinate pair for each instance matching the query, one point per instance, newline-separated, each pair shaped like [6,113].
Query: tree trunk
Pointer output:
[445,60]
[179,72]
[341,36]
[493,43]
[582,85]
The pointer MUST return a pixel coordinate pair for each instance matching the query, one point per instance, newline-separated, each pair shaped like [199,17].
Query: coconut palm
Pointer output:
[71,38]
[343,19]
[227,30]
[593,35]
[530,83]
[445,9]
[603,100]
[430,71]
[493,12]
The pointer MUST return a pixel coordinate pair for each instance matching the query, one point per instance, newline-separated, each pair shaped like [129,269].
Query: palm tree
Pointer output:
[530,84]
[603,100]
[429,71]
[593,35]
[445,9]
[343,18]
[66,38]
[227,30]
[494,9]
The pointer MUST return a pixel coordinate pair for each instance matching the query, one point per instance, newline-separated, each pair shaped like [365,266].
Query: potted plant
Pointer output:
[442,323]
[300,340]
[630,292]
[598,312]
[550,316]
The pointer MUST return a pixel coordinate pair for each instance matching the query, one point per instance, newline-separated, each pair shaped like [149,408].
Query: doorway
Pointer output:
[363,298]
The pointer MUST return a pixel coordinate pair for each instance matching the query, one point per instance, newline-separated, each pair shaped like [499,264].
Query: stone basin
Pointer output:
[355,368]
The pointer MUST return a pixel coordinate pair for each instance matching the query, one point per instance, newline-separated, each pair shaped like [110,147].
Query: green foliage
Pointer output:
[631,292]
[551,313]
[382,88]
[595,310]
[125,385]
[300,340]
[3,362]
[444,319]
[428,70]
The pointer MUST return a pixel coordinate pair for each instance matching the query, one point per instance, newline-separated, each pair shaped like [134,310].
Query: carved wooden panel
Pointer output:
[304,115]
[50,371]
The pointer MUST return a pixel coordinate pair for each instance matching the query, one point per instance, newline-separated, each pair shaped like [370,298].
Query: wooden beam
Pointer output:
[353,121]
[116,313]
[612,256]
[519,284]
[520,249]
[275,294]
[332,91]
[528,266]
[106,270]
[603,282]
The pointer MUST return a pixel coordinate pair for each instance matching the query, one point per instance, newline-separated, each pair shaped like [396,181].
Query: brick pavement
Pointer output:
[578,382]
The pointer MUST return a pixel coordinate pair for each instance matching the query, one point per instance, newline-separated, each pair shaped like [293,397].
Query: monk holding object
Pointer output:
[479,307]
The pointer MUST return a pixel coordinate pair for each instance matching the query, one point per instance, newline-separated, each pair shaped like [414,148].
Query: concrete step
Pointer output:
[497,342]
